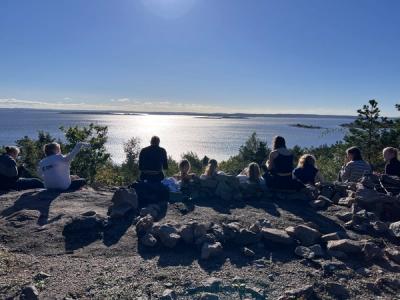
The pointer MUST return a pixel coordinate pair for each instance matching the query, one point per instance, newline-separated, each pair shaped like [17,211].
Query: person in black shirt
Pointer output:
[152,161]
[10,173]
[392,166]
[306,171]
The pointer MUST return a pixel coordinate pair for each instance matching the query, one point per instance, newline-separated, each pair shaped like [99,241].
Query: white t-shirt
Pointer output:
[55,169]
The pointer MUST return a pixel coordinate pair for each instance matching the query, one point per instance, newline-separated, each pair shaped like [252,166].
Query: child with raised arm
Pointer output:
[55,168]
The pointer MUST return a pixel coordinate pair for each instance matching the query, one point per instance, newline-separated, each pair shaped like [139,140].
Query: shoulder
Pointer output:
[274,153]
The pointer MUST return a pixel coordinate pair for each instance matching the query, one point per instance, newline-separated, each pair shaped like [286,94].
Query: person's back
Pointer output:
[306,174]
[8,172]
[393,168]
[55,168]
[355,170]
[152,161]
[283,162]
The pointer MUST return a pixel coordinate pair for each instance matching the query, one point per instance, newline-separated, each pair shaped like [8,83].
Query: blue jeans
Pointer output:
[28,183]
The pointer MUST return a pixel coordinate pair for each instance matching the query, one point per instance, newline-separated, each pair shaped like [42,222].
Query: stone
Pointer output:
[346,246]
[124,200]
[29,292]
[168,294]
[257,226]
[144,225]
[81,224]
[344,216]
[276,236]
[152,210]
[394,229]
[41,276]
[211,250]
[148,240]
[187,234]
[209,296]
[393,254]
[248,252]
[330,237]
[317,249]
[371,251]
[337,254]
[318,204]
[380,227]
[200,229]
[306,235]
[305,292]
[212,283]
[168,235]
[246,237]
[346,201]
[231,230]
[304,252]
[337,290]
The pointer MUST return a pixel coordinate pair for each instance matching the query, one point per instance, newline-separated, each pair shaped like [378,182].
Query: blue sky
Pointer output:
[304,56]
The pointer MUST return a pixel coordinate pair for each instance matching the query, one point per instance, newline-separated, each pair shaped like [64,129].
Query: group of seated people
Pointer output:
[53,169]
[279,171]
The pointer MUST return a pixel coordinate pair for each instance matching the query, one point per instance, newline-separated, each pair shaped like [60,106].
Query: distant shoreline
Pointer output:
[195,114]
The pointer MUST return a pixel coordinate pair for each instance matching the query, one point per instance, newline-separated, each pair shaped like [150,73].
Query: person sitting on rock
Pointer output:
[55,168]
[355,168]
[306,172]
[184,174]
[211,170]
[279,167]
[153,161]
[251,174]
[11,175]
[392,167]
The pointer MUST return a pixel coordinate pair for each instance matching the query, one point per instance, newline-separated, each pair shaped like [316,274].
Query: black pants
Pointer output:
[274,181]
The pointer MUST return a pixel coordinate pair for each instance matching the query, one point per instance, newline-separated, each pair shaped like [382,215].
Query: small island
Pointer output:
[298,125]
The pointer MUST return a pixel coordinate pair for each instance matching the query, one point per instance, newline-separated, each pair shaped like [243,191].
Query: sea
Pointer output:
[216,137]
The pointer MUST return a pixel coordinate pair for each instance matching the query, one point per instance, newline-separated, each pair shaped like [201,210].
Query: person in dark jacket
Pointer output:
[306,171]
[153,161]
[279,167]
[392,166]
[10,173]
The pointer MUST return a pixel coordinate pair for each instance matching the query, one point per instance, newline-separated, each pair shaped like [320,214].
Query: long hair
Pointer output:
[306,160]
[211,167]
[254,172]
[184,164]
[278,142]
[355,152]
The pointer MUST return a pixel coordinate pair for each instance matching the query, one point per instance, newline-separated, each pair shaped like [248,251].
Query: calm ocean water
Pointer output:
[216,138]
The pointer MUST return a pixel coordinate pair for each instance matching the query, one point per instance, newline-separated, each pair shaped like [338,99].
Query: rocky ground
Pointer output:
[63,246]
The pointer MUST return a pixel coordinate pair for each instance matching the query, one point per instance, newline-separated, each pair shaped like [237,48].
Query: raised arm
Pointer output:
[70,156]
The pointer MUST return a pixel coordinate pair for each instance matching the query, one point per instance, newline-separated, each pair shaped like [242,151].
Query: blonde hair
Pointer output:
[12,150]
[254,172]
[211,167]
[50,149]
[306,160]
[391,150]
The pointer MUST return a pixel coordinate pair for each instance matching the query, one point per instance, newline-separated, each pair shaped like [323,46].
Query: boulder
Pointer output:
[318,204]
[248,252]
[211,250]
[394,229]
[347,201]
[380,227]
[168,294]
[346,246]
[371,251]
[231,230]
[330,237]
[393,254]
[124,200]
[344,216]
[208,296]
[246,237]
[144,225]
[168,235]
[276,236]
[317,249]
[148,240]
[305,292]
[200,229]
[152,210]
[337,290]
[187,234]
[304,252]
[306,235]
[29,292]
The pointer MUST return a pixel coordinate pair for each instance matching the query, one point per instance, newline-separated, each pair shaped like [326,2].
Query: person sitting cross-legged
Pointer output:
[55,168]
[306,171]
[153,161]
[355,168]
